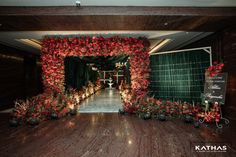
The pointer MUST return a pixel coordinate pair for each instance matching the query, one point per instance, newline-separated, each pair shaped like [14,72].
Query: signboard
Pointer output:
[215,88]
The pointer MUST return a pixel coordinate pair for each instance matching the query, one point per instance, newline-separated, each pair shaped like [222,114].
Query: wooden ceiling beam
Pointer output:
[98,10]
[115,18]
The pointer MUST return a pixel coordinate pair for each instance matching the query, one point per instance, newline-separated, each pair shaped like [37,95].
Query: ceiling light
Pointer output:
[165,23]
[11,57]
[77,3]
[160,45]
[31,42]
[36,41]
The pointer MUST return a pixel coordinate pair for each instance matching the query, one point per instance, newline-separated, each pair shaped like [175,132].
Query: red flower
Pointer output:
[215,69]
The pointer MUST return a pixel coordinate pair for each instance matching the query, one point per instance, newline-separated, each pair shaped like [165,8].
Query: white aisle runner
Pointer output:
[106,100]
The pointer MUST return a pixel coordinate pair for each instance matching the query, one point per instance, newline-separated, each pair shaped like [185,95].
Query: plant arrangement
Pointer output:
[163,110]
[50,105]
[21,108]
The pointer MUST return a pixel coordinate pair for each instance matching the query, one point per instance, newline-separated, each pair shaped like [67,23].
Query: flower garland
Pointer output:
[54,50]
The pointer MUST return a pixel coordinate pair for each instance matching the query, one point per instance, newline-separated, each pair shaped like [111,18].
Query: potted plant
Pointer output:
[196,124]
[33,114]
[187,113]
[162,117]
[73,112]
[162,112]
[33,121]
[13,122]
[121,111]
[140,114]
[188,118]
[147,115]
[54,116]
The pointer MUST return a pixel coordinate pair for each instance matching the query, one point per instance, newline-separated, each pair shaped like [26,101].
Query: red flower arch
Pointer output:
[54,50]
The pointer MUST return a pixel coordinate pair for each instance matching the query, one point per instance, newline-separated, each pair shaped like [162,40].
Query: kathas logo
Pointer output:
[209,147]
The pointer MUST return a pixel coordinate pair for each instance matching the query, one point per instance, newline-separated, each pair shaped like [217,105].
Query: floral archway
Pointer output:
[54,103]
[54,50]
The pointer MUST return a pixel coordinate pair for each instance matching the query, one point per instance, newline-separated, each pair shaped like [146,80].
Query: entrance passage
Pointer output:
[106,100]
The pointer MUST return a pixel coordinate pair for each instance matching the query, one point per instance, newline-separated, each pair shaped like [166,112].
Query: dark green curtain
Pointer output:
[178,76]
[77,73]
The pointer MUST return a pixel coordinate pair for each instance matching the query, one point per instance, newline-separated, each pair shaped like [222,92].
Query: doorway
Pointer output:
[109,71]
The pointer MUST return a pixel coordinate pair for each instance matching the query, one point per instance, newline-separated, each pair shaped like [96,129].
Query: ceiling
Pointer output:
[182,25]
[178,38]
[193,3]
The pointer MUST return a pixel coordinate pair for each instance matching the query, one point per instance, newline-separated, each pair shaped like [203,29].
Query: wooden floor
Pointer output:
[109,135]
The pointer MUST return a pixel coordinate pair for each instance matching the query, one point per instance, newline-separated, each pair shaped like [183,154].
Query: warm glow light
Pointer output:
[77,98]
[110,93]
[12,57]
[31,42]
[70,124]
[160,45]
[130,142]
[117,133]
[83,96]
[93,119]
[71,106]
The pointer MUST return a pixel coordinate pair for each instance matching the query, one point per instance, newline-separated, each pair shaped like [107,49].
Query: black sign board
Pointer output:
[215,88]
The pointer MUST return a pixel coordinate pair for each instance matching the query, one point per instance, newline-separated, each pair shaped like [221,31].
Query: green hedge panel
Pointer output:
[178,76]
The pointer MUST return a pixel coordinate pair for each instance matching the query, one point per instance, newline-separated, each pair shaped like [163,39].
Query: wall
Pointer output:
[19,76]
[224,47]
[229,56]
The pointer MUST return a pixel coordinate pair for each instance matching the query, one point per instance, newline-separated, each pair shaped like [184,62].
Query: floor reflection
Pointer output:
[107,100]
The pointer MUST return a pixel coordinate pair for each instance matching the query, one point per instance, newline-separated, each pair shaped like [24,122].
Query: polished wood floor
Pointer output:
[109,135]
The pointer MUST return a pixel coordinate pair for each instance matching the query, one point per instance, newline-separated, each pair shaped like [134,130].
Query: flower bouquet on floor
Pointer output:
[19,112]
[163,111]
[33,114]
[174,109]
[212,114]
[143,109]
[187,112]
[153,106]
[59,106]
